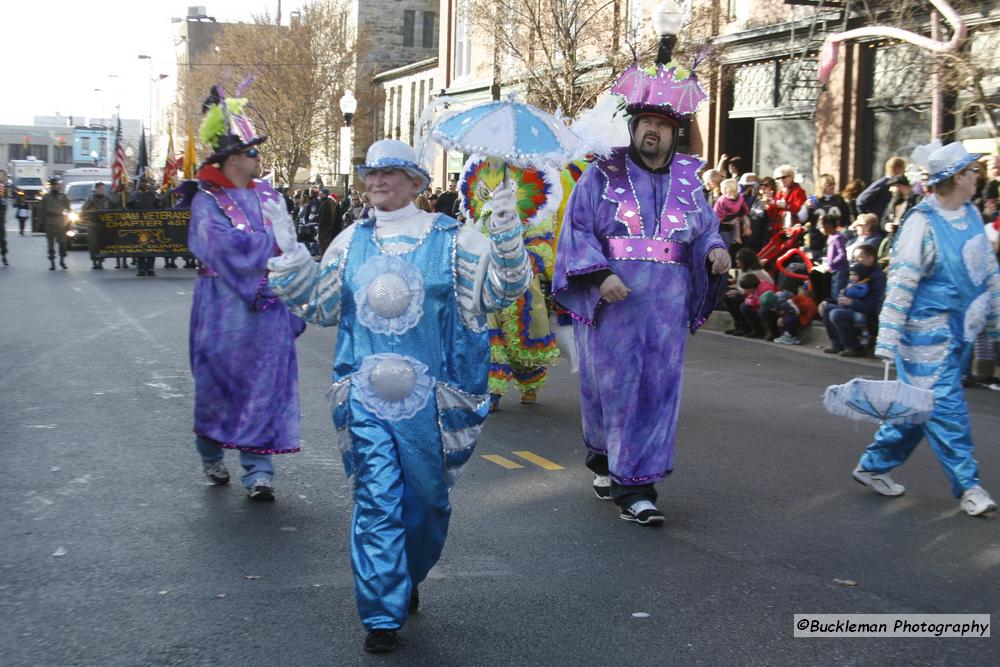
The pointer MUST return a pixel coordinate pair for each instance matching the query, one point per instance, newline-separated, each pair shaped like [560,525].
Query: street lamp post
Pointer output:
[348,105]
[668,17]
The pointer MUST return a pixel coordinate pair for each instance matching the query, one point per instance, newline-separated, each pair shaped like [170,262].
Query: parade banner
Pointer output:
[141,233]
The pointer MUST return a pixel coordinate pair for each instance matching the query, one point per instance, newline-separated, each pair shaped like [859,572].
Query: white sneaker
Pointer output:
[602,487]
[880,482]
[216,471]
[976,501]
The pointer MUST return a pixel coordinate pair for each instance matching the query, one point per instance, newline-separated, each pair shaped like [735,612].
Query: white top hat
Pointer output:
[393,154]
[942,162]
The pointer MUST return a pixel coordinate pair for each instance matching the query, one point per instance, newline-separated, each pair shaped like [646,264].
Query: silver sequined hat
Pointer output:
[393,154]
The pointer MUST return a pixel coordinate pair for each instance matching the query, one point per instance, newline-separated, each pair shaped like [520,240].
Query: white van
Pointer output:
[86,174]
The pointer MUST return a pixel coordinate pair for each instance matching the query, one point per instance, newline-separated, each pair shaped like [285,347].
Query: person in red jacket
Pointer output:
[790,198]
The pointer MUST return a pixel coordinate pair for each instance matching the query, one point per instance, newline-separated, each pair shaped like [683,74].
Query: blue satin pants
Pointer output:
[401,510]
[948,432]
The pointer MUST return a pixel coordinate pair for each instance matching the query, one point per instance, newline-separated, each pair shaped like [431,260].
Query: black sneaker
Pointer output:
[261,490]
[602,487]
[643,513]
[414,601]
[382,641]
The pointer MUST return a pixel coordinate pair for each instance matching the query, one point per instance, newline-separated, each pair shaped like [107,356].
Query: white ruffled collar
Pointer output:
[399,215]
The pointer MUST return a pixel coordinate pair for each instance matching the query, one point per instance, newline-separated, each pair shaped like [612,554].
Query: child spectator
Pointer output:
[746,264]
[733,213]
[795,311]
[836,254]
[858,287]
[753,289]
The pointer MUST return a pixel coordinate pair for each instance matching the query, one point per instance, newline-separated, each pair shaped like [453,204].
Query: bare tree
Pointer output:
[565,53]
[298,73]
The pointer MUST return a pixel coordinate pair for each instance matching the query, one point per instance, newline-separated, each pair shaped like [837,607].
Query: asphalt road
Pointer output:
[115,551]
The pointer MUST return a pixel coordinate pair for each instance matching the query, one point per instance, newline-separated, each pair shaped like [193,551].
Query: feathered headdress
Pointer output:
[225,127]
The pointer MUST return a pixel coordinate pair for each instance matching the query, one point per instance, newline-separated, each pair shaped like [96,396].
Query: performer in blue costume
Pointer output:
[943,291]
[410,291]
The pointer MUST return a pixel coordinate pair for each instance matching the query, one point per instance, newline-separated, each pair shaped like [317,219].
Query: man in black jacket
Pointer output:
[447,200]
[876,196]
[144,200]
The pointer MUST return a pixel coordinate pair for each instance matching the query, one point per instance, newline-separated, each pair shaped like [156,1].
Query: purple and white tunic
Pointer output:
[654,231]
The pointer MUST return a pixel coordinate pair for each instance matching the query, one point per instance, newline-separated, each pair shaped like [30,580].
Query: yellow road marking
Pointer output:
[502,462]
[538,460]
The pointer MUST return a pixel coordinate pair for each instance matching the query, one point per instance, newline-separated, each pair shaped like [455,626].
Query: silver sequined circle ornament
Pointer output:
[389,296]
[393,380]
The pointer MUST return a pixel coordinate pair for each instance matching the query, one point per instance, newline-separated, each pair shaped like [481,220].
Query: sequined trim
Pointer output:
[975,317]
[340,413]
[246,448]
[976,254]
[924,354]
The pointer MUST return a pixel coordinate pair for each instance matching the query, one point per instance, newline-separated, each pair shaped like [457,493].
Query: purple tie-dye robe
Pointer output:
[242,338]
[632,352]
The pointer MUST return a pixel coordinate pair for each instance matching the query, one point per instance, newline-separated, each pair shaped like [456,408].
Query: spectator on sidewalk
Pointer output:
[754,290]
[841,318]
[733,214]
[877,196]
[794,311]
[866,230]
[766,218]
[790,198]
[746,264]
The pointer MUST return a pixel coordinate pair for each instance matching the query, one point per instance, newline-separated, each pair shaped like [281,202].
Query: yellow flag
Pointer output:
[190,154]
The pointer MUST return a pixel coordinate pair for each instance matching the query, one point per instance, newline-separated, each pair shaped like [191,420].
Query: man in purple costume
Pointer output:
[640,261]
[242,338]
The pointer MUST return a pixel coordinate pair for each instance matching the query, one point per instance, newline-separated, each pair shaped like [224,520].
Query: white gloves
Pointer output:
[282,224]
[504,215]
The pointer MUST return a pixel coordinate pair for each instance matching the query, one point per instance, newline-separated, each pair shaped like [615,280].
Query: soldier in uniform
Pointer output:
[144,200]
[53,208]
[98,201]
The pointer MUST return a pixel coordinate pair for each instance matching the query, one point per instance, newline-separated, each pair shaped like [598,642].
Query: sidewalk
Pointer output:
[814,339]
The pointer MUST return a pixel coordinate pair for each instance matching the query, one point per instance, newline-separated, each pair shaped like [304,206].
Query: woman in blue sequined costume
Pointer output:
[410,291]
[943,291]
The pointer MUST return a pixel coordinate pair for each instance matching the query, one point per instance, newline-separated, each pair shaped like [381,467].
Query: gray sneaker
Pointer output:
[262,489]
[216,471]
[880,482]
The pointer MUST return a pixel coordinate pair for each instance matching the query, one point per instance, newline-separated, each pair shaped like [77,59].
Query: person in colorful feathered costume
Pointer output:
[639,262]
[522,346]
[242,338]
[943,291]
[410,291]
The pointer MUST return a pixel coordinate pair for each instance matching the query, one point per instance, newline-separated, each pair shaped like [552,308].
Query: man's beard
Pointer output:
[649,150]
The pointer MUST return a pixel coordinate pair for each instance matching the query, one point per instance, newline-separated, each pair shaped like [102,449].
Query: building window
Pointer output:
[428,33]
[463,45]
[409,24]
[85,144]
[63,155]
[104,146]
[19,152]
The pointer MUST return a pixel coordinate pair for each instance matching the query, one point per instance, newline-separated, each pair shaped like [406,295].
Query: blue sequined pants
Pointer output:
[948,432]
[401,510]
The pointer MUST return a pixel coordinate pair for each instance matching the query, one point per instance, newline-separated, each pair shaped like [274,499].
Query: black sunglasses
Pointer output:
[251,153]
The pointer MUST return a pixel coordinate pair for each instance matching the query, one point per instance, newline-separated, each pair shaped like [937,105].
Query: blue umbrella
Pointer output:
[890,401]
[517,133]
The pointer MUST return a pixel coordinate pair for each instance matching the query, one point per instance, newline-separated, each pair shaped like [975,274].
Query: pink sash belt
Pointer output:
[652,250]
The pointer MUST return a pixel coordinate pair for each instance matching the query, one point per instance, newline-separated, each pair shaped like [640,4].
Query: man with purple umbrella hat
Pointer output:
[943,291]
[639,263]
[242,338]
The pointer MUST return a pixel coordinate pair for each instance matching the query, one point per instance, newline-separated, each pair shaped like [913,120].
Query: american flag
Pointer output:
[119,177]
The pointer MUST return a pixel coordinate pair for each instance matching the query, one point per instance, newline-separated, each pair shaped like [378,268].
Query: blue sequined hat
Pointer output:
[393,154]
[942,162]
